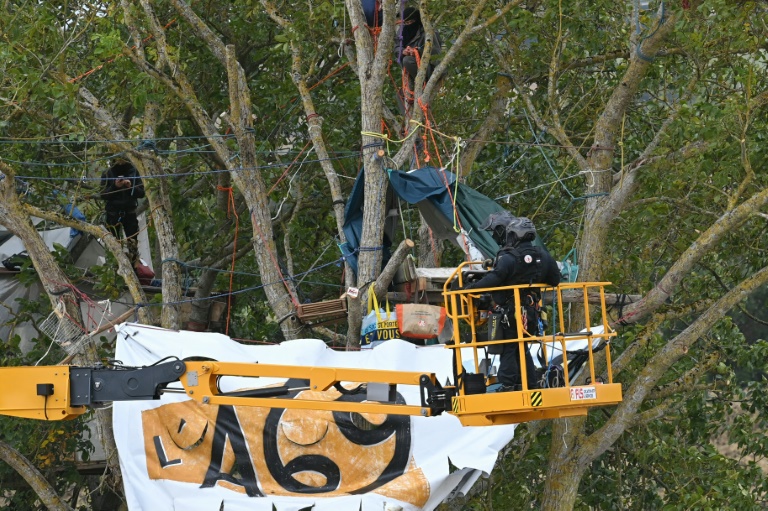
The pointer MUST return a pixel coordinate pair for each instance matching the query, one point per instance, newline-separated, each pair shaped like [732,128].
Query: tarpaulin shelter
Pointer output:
[453,210]
[448,207]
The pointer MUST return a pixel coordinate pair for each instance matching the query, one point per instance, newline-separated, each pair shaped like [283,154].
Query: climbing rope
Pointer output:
[231,209]
[112,59]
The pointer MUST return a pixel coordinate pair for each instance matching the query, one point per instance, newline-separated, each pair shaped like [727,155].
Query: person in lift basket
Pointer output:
[518,262]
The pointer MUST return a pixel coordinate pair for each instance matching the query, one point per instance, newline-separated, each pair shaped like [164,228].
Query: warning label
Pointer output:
[582,393]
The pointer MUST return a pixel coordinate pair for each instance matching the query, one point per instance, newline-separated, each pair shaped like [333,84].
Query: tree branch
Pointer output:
[643,338]
[661,362]
[687,381]
[125,268]
[471,27]
[33,477]
[728,223]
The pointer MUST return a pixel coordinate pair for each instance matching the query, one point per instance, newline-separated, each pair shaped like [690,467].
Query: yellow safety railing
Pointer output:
[461,308]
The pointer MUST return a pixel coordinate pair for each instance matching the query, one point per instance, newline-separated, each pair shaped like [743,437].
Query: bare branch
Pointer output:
[627,356]
[202,30]
[31,475]
[125,268]
[725,225]
[668,355]
[749,174]
[688,381]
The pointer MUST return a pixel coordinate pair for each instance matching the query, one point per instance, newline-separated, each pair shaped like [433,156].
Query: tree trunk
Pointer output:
[244,172]
[248,178]
[599,209]
[14,216]
[562,485]
[372,67]
[429,246]
[158,196]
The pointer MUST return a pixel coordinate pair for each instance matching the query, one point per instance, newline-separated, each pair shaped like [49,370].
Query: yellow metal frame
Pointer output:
[19,398]
[529,404]
[201,380]
[45,392]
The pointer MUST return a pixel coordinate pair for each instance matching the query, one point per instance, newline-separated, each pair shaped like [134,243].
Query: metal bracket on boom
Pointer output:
[100,386]
[434,396]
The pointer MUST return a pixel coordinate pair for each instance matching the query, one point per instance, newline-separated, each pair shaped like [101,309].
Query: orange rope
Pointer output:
[385,128]
[288,168]
[434,122]
[332,73]
[109,61]
[231,209]
[274,261]
[409,98]
[376,30]
[428,130]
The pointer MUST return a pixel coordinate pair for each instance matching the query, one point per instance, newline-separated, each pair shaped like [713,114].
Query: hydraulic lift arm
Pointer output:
[64,392]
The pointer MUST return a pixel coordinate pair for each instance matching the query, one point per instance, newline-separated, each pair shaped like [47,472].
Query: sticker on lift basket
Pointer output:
[582,393]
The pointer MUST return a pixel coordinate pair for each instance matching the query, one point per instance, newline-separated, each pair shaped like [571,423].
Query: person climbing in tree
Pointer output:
[121,188]
[413,43]
[518,262]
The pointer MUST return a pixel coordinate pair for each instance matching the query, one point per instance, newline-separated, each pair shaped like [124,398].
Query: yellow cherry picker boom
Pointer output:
[63,392]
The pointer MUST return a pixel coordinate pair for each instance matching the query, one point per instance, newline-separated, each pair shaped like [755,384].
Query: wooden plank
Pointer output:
[312,311]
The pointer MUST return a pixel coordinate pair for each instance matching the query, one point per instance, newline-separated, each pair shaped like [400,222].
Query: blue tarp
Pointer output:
[353,226]
[431,190]
[77,215]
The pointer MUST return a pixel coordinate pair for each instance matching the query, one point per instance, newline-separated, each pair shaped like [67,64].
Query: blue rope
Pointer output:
[180,174]
[638,50]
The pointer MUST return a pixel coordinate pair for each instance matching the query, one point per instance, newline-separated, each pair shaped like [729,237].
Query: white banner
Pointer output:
[177,454]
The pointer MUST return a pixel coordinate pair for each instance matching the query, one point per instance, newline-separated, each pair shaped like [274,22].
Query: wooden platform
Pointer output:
[322,312]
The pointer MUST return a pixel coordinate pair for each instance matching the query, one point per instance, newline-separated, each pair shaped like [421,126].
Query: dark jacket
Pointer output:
[121,199]
[510,269]
[414,34]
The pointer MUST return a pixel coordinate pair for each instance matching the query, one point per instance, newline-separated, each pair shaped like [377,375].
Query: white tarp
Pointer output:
[178,455]
[12,290]
[54,236]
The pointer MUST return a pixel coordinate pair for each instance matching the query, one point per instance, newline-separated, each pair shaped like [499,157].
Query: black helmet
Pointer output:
[522,228]
[497,224]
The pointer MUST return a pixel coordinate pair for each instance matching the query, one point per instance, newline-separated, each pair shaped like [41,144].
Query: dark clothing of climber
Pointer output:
[121,187]
[414,40]
[373,13]
[518,262]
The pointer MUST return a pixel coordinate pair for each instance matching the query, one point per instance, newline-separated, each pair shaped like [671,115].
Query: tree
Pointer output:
[626,131]
[706,215]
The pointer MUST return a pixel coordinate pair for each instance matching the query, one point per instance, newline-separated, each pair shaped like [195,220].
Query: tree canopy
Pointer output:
[632,133]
